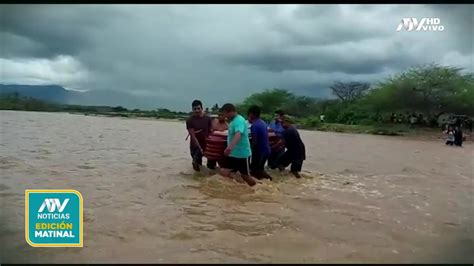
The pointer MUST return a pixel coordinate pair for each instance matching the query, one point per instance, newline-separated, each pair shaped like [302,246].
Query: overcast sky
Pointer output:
[222,53]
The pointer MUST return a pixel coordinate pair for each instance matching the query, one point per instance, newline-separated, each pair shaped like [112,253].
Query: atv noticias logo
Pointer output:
[424,24]
[51,204]
[53,218]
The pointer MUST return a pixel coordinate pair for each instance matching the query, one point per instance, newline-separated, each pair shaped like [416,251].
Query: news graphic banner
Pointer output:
[53,218]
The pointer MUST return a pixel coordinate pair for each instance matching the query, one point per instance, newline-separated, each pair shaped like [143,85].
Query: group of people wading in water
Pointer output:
[245,150]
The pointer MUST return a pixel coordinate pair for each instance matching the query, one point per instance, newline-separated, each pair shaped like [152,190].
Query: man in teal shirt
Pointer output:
[238,150]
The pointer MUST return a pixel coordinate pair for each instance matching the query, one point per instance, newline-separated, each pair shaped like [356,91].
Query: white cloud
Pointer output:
[454,58]
[61,70]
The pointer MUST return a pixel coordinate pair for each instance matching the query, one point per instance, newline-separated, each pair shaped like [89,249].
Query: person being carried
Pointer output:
[295,149]
[260,144]
[199,128]
[277,147]
[220,124]
[275,125]
[238,149]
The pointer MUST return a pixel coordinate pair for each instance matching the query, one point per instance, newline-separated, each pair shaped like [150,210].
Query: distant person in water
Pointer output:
[238,149]
[259,143]
[295,149]
[400,118]
[275,125]
[420,119]
[393,118]
[413,120]
[458,136]
[469,124]
[199,126]
[220,124]
[449,136]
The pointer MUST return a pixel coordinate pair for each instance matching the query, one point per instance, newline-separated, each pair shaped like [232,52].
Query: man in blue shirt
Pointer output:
[277,151]
[275,125]
[260,144]
[238,149]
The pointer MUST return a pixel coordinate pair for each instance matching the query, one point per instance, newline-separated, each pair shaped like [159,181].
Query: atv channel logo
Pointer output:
[53,218]
[424,24]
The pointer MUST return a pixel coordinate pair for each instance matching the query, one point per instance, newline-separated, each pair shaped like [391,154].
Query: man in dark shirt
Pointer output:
[295,150]
[260,144]
[458,136]
[199,127]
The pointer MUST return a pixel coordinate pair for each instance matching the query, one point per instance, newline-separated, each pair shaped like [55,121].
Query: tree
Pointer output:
[268,100]
[215,108]
[119,109]
[349,91]
[271,100]
[302,106]
[429,89]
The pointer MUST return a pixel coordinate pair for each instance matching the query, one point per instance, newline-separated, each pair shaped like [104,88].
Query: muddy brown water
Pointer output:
[362,198]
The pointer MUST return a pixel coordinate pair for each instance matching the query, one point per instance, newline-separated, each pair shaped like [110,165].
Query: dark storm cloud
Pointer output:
[325,25]
[324,59]
[218,53]
[320,36]
[459,20]
[43,31]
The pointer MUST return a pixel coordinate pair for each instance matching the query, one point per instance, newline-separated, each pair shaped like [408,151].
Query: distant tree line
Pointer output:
[15,101]
[428,90]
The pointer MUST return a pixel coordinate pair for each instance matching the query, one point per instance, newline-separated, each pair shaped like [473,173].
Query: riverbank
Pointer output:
[130,116]
[400,130]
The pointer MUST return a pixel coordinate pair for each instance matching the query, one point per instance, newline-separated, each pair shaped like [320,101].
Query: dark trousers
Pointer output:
[458,138]
[257,165]
[287,159]
[197,158]
[458,142]
[274,157]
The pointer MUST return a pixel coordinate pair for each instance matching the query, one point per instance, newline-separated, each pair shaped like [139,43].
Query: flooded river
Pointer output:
[362,198]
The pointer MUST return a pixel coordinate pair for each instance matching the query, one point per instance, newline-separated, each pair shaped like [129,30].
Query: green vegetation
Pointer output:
[429,91]
[17,102]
